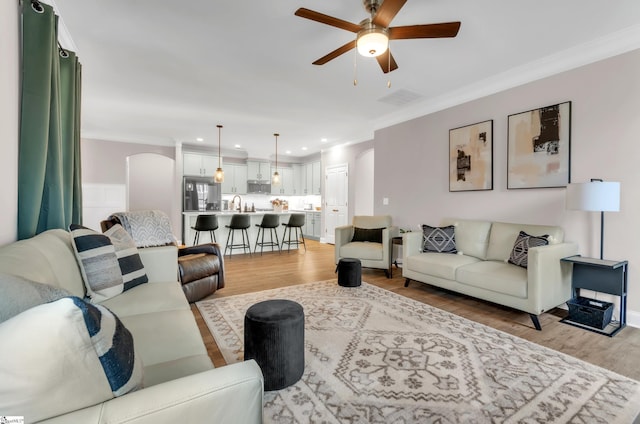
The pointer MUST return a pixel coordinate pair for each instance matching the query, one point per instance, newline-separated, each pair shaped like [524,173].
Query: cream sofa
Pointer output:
[371,254]
[180,382]
[480,269]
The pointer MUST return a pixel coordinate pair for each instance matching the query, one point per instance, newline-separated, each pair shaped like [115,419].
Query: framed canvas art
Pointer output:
[539,148]
[471,157]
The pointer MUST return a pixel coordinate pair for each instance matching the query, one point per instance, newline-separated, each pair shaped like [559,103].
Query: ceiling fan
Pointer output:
[374,33]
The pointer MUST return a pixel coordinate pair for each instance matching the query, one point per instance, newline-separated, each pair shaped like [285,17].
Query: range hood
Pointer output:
[259,187]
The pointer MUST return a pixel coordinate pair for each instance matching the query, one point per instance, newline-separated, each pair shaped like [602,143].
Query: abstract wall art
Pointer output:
[471,157]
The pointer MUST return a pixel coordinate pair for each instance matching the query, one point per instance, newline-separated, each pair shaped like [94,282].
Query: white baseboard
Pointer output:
[633,319]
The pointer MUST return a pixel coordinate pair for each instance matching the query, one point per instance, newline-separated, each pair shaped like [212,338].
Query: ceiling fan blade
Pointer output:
[383,60]
[326,19]
[442,30]
[337,52]
[387,12]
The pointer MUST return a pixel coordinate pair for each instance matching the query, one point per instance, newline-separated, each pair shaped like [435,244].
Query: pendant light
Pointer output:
[219,175]
[275,179]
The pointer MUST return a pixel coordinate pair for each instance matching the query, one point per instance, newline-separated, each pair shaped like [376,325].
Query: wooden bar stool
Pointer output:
[238,222]
[269,221]
[296,221]
[205,223]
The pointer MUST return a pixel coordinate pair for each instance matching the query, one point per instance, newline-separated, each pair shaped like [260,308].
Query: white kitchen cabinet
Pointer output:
[199,164]
[258,170]
[235,179]
[312,225]
[286,182]
[312,182]
[299,179]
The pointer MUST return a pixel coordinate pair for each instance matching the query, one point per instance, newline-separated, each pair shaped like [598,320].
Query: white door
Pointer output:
[336,196]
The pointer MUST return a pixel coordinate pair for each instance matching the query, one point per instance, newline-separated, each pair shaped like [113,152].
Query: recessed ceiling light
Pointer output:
[324,140]
[304,148]
[199,139]
[237,146]
[288,152]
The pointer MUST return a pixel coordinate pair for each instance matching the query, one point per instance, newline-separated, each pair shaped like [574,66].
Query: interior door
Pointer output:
[336,200]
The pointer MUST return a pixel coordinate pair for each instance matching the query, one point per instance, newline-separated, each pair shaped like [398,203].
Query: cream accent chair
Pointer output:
[371,254]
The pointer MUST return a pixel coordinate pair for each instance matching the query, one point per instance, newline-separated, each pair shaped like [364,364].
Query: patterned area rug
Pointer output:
[373,356]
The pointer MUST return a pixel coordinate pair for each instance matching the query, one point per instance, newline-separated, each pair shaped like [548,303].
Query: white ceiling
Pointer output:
[167,71]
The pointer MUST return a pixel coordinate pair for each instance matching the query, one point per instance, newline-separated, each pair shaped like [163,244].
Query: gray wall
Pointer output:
[411,161]
[105,162]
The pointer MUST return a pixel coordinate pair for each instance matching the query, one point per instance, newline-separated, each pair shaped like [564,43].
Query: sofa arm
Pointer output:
[411,244]
[343,235]
[229,394]
[549,279]
[160,263]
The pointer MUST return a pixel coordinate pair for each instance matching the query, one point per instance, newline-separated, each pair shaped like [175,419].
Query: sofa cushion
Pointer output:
[520,252]
[499,277]
[362,250]
[442,265]
[373,235]
[439,239]
[146,298]
[59,359]
[18,294]
[503,236]
[131,267]
[472,237]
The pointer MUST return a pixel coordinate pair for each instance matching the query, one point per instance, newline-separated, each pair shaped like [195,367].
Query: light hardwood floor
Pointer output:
[246,274]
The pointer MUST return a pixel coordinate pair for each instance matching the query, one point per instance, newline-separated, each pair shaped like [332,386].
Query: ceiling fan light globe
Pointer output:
[372,42]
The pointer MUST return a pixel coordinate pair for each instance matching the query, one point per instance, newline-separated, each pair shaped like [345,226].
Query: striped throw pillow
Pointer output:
[98,263]
[131,267]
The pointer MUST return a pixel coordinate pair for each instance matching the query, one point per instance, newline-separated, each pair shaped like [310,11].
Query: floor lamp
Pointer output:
[596,196]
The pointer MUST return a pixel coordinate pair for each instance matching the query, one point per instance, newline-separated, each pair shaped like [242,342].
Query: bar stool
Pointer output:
[238,222]
[205,223]
[270,221]
[296,221]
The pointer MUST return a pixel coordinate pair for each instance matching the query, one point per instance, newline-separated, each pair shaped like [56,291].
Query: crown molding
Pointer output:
[613,44]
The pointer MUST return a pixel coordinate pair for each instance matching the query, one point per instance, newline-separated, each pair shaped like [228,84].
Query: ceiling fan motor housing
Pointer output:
[371,6]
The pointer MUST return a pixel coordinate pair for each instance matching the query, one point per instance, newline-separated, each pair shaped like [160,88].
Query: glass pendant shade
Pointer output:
[275,179]
[219,175]
[372,42]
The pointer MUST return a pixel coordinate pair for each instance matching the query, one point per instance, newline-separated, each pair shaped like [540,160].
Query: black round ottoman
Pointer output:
[349,272]
[274,337]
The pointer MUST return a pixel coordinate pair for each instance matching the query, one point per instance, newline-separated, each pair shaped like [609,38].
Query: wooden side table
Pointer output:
[395,241]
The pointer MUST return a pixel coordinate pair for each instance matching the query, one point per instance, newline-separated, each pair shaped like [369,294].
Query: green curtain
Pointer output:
[49,173]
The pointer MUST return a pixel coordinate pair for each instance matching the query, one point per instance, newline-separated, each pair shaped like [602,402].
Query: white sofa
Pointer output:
[180,382]
[371,254]
[480,269]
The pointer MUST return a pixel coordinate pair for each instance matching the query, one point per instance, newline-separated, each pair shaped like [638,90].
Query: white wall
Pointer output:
[605,143]
[9,118]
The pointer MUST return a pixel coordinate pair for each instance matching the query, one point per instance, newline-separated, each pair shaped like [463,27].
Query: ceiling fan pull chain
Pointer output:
[355,68]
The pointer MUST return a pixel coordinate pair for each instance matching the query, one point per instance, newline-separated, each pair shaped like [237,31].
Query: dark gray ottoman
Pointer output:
[274,337]
[349,272]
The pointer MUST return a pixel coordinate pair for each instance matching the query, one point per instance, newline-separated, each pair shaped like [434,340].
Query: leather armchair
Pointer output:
[201,270]
[371,253]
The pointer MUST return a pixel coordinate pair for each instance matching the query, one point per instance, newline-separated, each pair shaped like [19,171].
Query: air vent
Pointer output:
[400,97]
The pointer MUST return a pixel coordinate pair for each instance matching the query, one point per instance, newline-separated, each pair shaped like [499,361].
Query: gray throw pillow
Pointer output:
[18,294]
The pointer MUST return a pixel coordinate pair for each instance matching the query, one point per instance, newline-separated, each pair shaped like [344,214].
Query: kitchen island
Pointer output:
[224,217]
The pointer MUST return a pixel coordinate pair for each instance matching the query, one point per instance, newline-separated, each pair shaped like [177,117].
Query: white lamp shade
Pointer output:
[599,196]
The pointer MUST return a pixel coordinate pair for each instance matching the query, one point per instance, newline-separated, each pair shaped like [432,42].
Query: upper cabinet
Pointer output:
[258,170]
[199,164]
[235,179]
[310,181]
